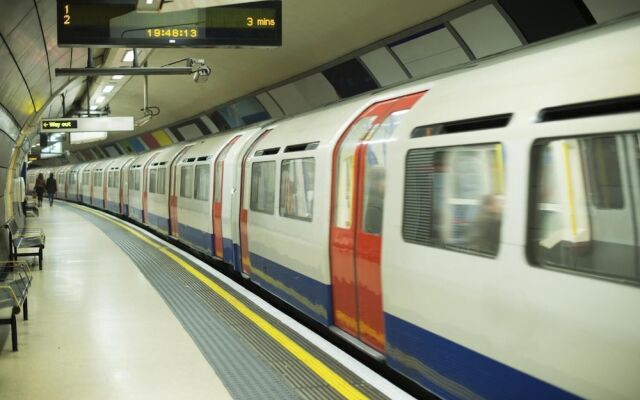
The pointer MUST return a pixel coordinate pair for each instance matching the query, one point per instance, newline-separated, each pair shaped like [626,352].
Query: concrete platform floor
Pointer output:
[97,329]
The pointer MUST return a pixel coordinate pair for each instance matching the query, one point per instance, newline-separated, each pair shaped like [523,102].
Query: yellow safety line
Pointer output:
[318,367]
[567,169]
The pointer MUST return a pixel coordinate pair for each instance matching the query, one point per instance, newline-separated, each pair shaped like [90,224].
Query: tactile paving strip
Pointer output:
[250,363]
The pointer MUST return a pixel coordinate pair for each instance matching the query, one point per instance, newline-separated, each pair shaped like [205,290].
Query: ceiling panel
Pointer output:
[13,92]
[13,13]
[28,48]
[430,52]
[486,32]
[605,10]
[384,66]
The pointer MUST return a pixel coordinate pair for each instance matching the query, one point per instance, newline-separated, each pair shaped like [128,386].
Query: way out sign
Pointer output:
[102,124]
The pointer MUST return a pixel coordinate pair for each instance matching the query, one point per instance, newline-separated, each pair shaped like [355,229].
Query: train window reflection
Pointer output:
[263,186]
[374,172]
[160,182]
[202,182]
[584,209]
[297,188]
[153,174]
[454,198]
[186,182]
[344,190]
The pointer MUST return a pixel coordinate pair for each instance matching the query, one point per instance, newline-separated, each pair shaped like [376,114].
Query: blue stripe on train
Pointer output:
[97,202]
[454,371]
[136,214]
[159,222]
[229,252]
[202,241]
[113,206]
[306,294]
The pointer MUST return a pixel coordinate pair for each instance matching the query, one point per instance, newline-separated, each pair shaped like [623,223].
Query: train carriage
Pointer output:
[116,189]
[137,182]
[158,183]
[193,193]
[509,227]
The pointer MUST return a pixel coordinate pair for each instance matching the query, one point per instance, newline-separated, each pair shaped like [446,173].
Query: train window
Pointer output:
[202,181]
[453,198]
[263,186]
[297,178]
[604,186]
[584,209]
[344,190]
[110,179]
[218,181]
[153,174]
[137,174]
[160,184]
[374,172]
[97,178]
[116,178]
[186,182]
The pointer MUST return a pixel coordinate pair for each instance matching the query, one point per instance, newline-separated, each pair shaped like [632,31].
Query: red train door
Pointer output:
[244,206]
[217,197]
[356,236]
[145,193]
[173,198]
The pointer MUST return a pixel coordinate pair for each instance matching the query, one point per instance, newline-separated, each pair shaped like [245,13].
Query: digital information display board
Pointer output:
[116,23]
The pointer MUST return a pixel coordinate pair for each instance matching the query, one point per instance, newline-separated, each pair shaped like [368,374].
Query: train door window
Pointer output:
[202,181]
[218,181]
[160,184]
[263,182]
[116,178]
[453,198]
[110,179]
[374,173]
[583,218]
[137,174]
[97,178]
[153,174]
[345,172]
[131,179]
[186,182]
[605,188]
[297,188]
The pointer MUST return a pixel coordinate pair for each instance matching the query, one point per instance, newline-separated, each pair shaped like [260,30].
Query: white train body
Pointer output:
[477,229]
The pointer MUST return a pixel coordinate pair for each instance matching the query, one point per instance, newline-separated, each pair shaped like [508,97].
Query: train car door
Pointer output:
[217,198]
[173,198]
[245,189]
[145,194]
[356,220]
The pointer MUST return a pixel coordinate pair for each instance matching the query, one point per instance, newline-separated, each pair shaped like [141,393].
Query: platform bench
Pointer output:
[27,238]
[15,281]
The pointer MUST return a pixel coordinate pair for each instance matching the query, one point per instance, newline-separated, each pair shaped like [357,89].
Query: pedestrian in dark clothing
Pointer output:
[39,188]
[52,188]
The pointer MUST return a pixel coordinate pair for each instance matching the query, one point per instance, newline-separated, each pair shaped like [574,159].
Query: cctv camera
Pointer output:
[202,74]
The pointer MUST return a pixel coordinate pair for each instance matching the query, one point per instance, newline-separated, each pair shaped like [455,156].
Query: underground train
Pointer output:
[478,230]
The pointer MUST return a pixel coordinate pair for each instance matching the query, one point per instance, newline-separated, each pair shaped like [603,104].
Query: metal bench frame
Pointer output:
[15,281]
[28,238]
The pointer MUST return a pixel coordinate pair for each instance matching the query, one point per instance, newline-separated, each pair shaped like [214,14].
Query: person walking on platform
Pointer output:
[52,188]
[39,188]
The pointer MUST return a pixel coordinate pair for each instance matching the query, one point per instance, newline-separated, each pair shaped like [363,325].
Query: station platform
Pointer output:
[118,313]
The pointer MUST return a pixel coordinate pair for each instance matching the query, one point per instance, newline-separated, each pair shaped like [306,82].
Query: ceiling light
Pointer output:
[149,2]
[99,99]
[93,108]
[108,89]
[128,56]
[117,77]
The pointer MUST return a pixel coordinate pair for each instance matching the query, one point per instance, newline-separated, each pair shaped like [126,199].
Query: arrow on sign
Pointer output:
[46,124]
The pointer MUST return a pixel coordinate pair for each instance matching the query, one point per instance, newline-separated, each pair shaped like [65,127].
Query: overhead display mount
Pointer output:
[117,23]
